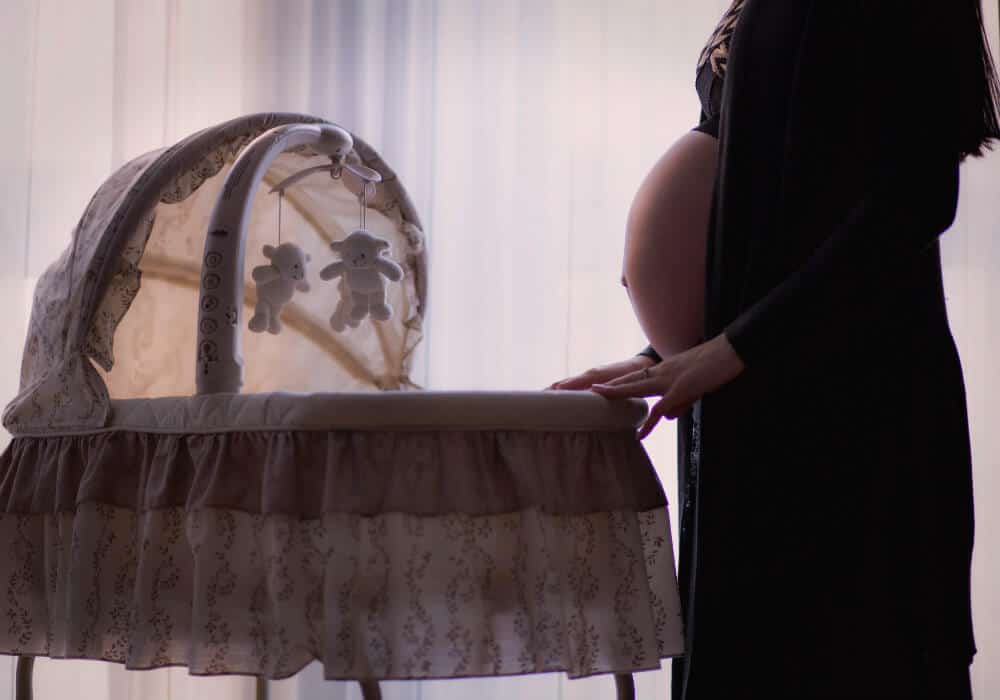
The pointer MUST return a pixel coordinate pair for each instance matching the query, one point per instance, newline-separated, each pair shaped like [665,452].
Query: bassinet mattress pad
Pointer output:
[389,535]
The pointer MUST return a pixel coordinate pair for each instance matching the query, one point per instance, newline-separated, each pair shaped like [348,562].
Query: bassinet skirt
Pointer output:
[390,536]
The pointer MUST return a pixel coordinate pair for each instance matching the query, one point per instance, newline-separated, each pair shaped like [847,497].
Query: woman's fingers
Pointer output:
[681,380]
[642,388]
[676,396]
[672,405]
[643,382]
[629,378]
[580,381]
[655,413]
[612,372]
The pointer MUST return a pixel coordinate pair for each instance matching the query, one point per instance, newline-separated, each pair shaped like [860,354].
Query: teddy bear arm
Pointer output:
[262,274]
[390,269]
[332,270]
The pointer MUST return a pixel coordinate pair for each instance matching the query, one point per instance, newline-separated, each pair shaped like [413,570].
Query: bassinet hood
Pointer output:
[145,227]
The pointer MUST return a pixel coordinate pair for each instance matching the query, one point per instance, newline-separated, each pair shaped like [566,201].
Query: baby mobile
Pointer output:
[363,268]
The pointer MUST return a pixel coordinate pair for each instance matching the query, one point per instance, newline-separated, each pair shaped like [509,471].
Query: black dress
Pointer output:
[825,494]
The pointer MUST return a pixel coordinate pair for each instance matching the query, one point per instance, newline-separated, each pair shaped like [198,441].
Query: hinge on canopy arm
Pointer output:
[335,169]
[337,166]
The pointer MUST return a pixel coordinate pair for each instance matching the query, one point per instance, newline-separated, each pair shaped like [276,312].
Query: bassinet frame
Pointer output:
[226,244]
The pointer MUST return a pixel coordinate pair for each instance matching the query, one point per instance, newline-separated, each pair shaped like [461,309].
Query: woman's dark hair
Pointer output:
[979,91]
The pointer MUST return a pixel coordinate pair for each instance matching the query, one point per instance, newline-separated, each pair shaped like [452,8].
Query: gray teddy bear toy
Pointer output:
[364,271]
[276,284]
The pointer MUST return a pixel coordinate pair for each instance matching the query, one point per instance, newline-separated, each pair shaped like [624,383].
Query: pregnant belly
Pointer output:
[664,261]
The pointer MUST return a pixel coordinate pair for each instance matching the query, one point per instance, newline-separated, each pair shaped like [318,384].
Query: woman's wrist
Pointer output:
[722,355]
[645,360]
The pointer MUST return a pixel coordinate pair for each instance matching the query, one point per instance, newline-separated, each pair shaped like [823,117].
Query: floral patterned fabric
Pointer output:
[388,596]
[384,554]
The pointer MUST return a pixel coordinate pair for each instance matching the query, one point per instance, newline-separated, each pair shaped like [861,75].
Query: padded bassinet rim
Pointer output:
[546,411]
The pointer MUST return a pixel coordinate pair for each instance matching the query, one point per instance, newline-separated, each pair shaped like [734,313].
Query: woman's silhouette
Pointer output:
[783,260]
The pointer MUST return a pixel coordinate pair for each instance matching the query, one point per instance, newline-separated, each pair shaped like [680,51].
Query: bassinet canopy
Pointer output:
[145,228]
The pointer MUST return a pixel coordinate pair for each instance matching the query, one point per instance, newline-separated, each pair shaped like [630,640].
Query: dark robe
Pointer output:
[826,492]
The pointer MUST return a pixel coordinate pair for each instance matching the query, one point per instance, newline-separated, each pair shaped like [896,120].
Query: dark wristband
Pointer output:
[651,353]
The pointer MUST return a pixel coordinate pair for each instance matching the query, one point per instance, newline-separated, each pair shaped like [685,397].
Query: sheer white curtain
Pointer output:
[521,129]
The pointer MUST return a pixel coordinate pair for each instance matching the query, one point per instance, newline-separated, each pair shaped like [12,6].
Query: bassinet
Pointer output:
[393,534]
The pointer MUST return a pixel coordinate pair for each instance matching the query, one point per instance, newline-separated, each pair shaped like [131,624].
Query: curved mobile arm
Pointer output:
[220,303]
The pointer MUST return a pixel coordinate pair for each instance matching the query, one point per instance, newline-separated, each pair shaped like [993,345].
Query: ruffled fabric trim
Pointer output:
[313,473]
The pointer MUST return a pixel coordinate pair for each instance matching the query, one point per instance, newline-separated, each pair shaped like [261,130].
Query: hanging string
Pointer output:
[362,197]
[367,190]
[281,196]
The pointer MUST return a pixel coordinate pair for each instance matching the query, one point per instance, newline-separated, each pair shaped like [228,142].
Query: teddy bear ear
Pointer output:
[268,251]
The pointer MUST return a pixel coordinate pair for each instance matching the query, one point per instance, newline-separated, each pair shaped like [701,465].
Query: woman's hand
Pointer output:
[604,373]
[681,379]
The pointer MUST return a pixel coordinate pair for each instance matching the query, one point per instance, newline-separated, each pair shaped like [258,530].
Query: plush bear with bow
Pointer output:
[276,284]
[364,271]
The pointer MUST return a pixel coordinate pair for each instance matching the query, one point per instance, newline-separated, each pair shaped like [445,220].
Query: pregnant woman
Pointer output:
[784,261]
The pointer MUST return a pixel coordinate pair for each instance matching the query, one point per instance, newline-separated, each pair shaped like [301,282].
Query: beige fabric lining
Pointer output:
[188,275]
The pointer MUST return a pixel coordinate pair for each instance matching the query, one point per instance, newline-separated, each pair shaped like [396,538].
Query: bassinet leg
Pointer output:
[25,665]
[261,688]
[370,690]
[625,685]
